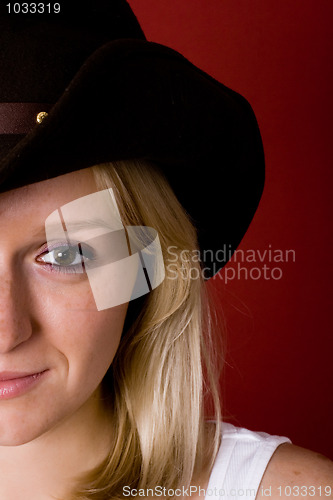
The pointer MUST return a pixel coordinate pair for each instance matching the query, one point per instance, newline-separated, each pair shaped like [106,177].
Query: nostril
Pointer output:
[15,327]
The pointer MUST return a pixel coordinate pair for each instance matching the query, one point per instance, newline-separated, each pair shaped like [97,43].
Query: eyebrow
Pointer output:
[77,225]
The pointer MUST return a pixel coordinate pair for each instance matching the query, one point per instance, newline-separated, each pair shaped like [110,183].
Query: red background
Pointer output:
[279,342]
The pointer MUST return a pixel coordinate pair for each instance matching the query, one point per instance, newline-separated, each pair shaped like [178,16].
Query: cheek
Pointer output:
[94,336]
[85,339]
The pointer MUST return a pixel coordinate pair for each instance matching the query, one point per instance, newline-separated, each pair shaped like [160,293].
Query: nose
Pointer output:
[15,323]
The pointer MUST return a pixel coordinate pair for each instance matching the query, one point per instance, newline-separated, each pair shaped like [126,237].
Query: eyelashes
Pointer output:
[76,257]
[65,258]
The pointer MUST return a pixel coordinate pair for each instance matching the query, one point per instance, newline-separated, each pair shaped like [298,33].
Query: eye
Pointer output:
[66,258]
[63,256]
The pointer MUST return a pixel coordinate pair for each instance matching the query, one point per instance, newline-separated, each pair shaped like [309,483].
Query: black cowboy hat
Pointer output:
[109,94]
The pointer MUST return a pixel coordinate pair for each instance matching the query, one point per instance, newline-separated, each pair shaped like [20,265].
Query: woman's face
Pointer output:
[55,346]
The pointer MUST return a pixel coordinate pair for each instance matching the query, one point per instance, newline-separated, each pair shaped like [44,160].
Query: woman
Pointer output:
[101,396]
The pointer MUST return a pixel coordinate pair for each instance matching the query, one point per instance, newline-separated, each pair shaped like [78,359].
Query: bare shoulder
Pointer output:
[294,471]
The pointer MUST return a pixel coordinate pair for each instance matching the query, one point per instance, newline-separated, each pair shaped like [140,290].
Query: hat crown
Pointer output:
[41,53]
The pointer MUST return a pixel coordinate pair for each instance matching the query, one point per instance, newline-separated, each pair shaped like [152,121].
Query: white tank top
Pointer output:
[240,463]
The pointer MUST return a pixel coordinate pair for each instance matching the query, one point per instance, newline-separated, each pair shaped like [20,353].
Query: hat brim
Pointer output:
[137,99]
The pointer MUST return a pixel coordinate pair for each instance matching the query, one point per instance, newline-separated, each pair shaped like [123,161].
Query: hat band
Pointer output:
[21,117]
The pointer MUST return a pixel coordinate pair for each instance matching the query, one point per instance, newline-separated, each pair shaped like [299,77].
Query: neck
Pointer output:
[49,466]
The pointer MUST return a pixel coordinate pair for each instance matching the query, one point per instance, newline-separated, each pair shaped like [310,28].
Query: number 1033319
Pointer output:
[33,8]
[304,491]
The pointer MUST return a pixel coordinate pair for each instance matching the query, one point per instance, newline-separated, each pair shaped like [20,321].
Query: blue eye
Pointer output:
[66,258]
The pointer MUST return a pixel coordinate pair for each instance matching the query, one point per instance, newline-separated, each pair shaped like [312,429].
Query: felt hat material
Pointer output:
[111,95]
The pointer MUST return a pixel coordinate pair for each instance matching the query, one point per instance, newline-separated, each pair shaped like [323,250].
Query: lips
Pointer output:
[15,375]
[14,384]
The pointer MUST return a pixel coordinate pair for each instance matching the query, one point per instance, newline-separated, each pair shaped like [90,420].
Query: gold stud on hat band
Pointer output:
[21,117]
[41,115]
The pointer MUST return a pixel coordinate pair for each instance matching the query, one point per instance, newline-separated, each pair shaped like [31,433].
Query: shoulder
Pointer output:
[295,471]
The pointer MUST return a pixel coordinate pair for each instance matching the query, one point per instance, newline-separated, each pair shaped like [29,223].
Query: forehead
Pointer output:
[41,198]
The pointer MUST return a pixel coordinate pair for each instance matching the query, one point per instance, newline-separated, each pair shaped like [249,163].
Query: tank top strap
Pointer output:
[240,463]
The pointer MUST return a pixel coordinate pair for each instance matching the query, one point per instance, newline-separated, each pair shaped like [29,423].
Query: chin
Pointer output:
[19,431]
[17,437]
[21,423]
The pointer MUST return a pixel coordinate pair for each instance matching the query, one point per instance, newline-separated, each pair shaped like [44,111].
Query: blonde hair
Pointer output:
[155,385]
